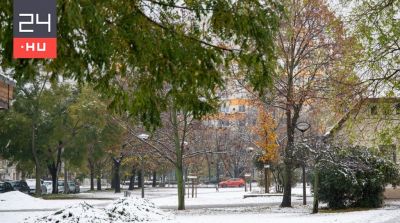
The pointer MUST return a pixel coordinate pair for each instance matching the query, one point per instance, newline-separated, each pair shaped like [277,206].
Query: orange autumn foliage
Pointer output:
[267,137]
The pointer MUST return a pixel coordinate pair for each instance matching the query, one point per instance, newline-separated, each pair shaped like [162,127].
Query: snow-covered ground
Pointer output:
[210,206]
[15,200]
[298,214]
[206,197]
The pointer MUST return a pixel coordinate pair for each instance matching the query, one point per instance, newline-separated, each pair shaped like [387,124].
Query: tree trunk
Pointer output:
[154,179]
[54,178]
[132,179]
[117,177]
[66,186]
[179,160]
[218,171]
[38,190]
[181,189]
[140,177]
[236,171]
[99,182]
[91,179]
[112,177]
[287,187]
[316,192]
[208,167]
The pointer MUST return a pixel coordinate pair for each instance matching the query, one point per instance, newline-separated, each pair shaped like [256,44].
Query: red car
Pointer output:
[234,182]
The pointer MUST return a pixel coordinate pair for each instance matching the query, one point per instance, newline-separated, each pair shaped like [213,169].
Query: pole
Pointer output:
[142,173]
[196,188]
[192,188]
[304,184]
[8,96]
[304,175]
[266,181]
[251,180]
[245,184]
[316,193]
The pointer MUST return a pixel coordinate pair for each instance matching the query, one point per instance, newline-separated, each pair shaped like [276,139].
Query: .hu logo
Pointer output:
[35,29]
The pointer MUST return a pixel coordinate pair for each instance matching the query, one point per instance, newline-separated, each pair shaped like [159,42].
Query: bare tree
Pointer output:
[310,44]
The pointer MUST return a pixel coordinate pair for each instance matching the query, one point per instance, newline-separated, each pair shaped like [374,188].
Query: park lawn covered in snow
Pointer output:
[16,200]
[167,197]
[135,209]
[298,214]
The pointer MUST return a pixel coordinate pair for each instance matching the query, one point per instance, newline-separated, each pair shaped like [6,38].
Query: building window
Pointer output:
[224,108]
[226,123]
[242,108]
[374,110]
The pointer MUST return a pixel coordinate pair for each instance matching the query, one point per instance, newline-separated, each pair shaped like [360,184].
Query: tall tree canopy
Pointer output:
[150,46]
[377,25]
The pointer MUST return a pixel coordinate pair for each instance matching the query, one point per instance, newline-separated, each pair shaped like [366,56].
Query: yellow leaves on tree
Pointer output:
[267,138]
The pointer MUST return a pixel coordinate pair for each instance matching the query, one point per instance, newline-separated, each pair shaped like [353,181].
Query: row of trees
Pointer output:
[162,62]
[151,57]
[51,124]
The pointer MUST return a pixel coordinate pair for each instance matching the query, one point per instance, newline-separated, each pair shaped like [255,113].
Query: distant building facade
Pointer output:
[237,109]
[8,171]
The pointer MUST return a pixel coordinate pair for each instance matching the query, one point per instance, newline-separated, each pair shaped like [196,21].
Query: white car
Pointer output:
[48,185]
[32,186]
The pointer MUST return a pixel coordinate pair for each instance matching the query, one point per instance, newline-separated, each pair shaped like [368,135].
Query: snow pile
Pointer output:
[16,195]
[130,209]
[134,209]
[17,200]
[81,212]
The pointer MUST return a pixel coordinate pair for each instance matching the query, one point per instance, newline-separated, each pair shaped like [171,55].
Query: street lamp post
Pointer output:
[250,150]
[246,177]
[303,127]
[142,173]
[142,137]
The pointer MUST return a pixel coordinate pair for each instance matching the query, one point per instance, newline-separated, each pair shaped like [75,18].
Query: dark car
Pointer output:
[5,187]
[20,185]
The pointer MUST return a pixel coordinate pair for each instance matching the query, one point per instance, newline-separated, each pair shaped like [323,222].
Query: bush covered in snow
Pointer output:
[355,177]
[130,209]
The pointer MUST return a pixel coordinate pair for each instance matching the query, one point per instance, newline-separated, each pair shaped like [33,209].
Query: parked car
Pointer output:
[5,187]
[60,186]
[32,186]
[48,185]
[73,187]
[233,182]
[77,187]
[20,185]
